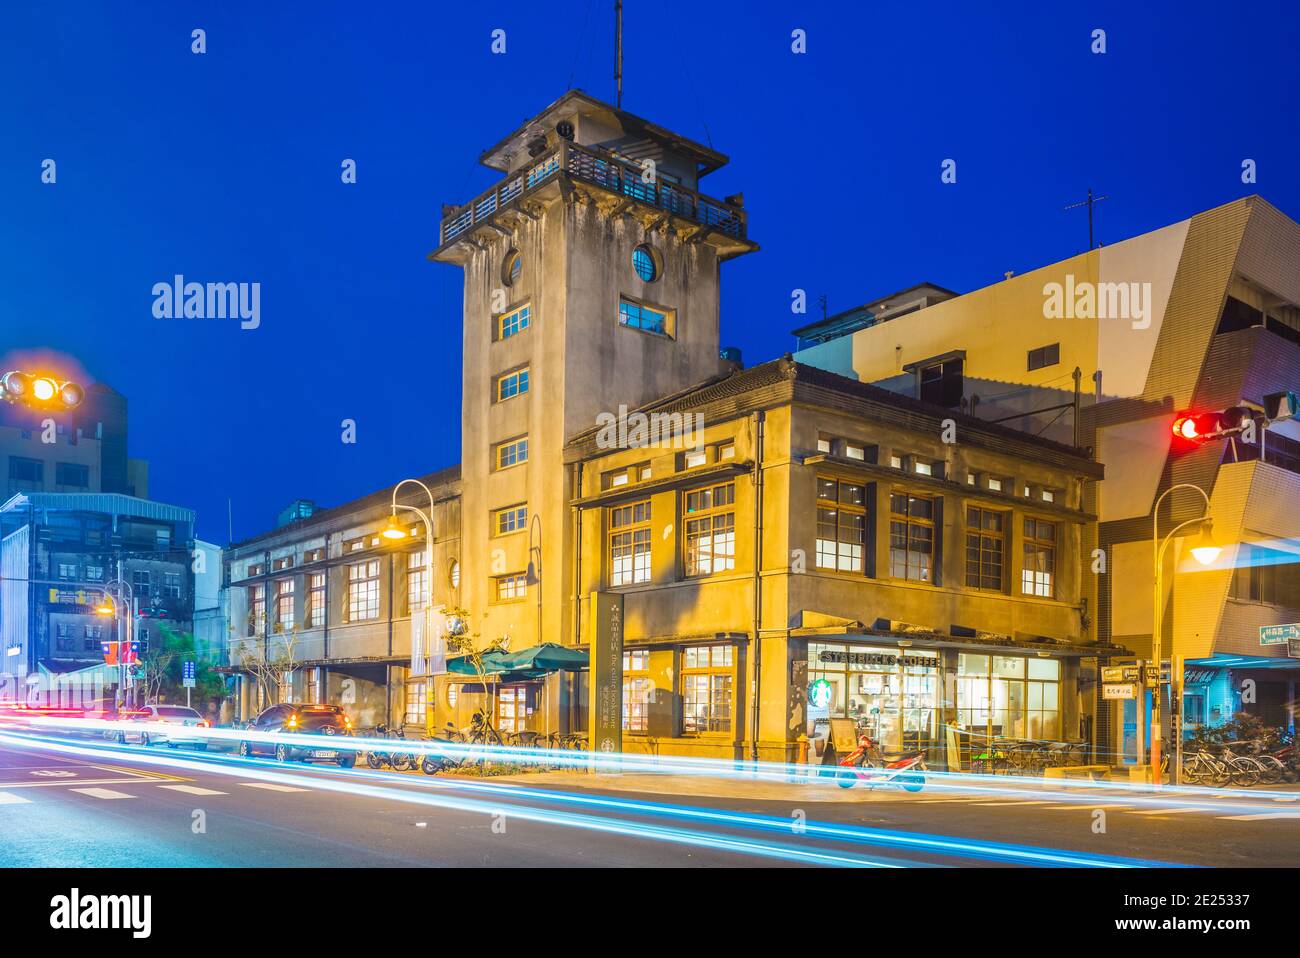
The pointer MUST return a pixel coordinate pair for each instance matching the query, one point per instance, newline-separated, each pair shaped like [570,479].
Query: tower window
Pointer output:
[1044,356]
[512,267]
[643,261]
[648,319]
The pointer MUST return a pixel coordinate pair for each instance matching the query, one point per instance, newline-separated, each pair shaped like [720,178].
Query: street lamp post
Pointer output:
[394,532]
[1205,552]
[123,640]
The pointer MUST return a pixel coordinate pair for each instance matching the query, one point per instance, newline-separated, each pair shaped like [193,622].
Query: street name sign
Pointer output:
[187,675]
[1119,690]
[1278,634]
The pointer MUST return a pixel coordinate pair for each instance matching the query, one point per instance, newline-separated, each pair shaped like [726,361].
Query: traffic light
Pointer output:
[40,391]
[1201,427]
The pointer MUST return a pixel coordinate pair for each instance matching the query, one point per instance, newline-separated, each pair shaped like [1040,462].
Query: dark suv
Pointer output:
[286,720]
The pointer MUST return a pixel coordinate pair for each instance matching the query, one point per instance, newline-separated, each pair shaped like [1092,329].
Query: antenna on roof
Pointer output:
[618,52]
[1089,202]
[822,299]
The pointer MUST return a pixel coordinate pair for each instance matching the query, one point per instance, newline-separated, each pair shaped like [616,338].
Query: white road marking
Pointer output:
[271,786]
[1090,807]
[193,790]
[1258,817]
[63,784]
[7,799]
[101,793]
[1170,811]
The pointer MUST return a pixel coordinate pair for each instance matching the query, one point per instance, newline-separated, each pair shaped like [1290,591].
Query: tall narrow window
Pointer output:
[985,545]
[284,604]
[363,591]
[637,689]
[629,544]
[710,529]
[417,581]
[707,677]
[314,611]
[841,524]
[1038,575]
[911,537]
[256,608]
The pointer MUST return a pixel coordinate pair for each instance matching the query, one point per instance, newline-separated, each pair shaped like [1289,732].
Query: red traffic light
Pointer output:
[1198,427]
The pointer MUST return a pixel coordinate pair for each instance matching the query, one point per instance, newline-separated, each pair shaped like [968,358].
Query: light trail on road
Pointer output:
[810,829]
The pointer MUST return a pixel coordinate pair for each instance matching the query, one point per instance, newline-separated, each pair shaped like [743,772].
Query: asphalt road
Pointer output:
[87,803]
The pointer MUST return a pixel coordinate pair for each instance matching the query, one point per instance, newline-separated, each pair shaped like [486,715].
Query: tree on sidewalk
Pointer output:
[462,641]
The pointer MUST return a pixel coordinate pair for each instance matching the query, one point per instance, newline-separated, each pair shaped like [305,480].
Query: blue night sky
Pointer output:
[225,167]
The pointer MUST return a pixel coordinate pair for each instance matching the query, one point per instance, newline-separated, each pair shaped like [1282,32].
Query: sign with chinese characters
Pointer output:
[607,672]
[1119,690]
[1121,673]
[1278,634]
[187,675]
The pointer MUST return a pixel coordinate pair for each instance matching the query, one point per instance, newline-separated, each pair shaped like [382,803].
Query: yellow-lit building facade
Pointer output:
[1197,316]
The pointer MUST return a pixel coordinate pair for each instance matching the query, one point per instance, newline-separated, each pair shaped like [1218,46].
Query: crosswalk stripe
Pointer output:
[1091,807]
[101,793]
[193,790]
[1169,811]
[1258,817]
[271,786]
[7,799]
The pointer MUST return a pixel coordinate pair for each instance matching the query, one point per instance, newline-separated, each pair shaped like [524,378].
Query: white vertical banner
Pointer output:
[418,620]
[437,643]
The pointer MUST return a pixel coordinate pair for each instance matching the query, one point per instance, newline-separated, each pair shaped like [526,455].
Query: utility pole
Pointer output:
[1090,202]
[618,53]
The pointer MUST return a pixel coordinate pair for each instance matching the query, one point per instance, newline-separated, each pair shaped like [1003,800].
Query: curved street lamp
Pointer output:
[394,532]
[1206,551]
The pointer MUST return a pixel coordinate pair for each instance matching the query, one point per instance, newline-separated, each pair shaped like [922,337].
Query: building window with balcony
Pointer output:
[417,581]
[363,591]
[646,318]
[508,520]
[513,452]
[629,544]
[637,690]
[511,587]
[911,537]
[985,548]
[707,678]
[256,608]
[710,529]
[284,605]
[514,322]
[841,524]
[511,384]
[1038,575]
[314,611]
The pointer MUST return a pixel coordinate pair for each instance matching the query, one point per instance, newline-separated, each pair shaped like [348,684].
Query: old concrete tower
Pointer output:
[591,281]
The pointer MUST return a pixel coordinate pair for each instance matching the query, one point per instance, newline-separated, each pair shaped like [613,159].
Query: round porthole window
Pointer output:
[455,575]
[512,267]
[643,261]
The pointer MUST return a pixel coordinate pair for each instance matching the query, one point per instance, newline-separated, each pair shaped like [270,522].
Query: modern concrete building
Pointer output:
[1200,315]
[78,450]
[58,551]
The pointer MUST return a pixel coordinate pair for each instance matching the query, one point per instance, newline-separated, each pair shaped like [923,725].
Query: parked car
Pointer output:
[182,717]
[286,720]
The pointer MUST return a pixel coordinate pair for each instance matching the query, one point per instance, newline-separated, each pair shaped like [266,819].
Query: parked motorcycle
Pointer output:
[867,764]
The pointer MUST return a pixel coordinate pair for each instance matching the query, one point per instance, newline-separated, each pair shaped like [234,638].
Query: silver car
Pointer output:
[180,717]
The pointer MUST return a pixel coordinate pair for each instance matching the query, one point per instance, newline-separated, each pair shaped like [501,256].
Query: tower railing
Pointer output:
[601,169]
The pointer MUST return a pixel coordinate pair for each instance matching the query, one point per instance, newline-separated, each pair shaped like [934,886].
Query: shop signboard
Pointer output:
[607,672]
[1278,634]
[1293,648]
[1112,691]
[1120,673]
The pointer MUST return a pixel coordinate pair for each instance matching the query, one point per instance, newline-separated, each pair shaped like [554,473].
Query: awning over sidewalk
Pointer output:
[530,663]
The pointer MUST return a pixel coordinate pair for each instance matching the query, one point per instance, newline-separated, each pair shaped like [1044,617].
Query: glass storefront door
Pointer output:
[892,695]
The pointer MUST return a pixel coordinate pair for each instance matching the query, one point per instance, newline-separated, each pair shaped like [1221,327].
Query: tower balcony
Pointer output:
[589,166]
